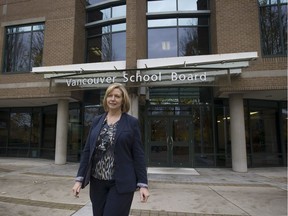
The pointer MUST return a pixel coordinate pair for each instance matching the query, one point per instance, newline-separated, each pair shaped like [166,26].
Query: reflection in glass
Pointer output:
[192,41]
[158,154]
[35,133]
[37,49]
[4,129]
[94,15]
[263,136]
[119,27]
[193,21]
[181,130]
[162,22]
[180,155]
[161,6]
[24,48]
[203,135]
[119,11]
[162,42]
[19,140]
[104,45]
[118,46]
[273,23]
[159,130]
[49,133]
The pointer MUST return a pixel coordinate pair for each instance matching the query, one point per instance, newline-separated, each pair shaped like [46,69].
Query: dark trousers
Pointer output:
[106,201]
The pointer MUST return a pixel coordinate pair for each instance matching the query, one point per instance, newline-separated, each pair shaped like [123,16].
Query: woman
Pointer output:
[113,159]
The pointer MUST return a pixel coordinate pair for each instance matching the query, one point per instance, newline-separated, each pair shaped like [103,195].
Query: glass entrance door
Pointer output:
[170,141]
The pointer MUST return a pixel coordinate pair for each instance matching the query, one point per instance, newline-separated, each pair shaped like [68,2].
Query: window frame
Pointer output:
[270,4]
[34,29]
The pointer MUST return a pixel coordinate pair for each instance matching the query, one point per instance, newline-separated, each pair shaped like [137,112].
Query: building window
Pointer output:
[24,47]
[273,25]
[107,43]
[106,31]
[178,28]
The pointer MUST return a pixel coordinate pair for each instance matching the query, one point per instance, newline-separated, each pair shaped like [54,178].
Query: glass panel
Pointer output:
[184,5]
[23,50]
[4,128]
[74,135]
[181,130]
[159,130]
[37,49]
[98,30]
[193,21]
[162,22]
[284,119]
[91,2]
[94,50]
[270,34]
[49,134]
[223,146]
[204,160]
[22,55]
[10,50]
[89,115]
[203,135]
[193,41]
[119,27]
[38,27]
[267,2]
[158,154]
[119,11]
[19,140]
[263,127]
[35,133]
[162,42]
[284,26]
[161,6]
[180,155]
[98,15]
[118,46]
[99,49]
[24,29]
[106,47]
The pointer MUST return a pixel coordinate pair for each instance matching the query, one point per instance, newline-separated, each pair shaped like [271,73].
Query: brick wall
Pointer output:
[235,28]
[64,38]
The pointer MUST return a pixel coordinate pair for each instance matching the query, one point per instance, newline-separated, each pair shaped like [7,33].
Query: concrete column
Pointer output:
[134,109]
[61,132]
[237,130]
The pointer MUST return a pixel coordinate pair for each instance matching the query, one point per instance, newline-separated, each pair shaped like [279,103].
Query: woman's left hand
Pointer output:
[144,194]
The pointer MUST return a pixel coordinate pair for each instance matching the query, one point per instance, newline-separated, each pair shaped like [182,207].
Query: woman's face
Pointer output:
[115,99]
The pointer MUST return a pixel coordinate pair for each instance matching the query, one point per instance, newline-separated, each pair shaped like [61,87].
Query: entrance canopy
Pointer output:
[189,70]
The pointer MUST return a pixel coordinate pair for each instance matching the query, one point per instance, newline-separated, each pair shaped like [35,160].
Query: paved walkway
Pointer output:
[33,187]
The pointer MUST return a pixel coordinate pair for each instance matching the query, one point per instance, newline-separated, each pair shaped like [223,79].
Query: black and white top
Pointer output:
[104,153]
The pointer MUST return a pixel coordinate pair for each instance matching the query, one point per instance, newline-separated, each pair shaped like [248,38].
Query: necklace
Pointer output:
[111,120]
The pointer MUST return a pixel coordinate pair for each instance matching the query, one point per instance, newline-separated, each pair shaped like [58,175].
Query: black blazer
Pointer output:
[130,167]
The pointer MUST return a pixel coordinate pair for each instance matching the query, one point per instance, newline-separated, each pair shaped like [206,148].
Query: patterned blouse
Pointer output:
[104,153]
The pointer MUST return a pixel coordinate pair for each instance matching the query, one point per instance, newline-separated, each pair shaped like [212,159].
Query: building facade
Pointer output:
[207,78]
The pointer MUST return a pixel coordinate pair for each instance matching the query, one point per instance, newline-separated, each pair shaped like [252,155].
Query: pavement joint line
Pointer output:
[136,212]
[215,184]
[49,175]
[38,203]
[229,201]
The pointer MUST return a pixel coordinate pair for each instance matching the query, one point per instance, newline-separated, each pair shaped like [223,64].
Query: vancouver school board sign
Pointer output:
[173,76]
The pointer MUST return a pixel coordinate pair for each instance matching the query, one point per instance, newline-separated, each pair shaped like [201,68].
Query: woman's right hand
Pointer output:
[76,189]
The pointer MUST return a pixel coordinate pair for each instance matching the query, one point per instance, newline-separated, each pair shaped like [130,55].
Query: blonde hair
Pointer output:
[126,100]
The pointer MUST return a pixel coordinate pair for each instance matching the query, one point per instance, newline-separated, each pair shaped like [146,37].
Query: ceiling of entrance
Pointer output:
[279,95]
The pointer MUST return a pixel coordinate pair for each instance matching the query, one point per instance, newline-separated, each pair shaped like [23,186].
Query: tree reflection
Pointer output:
[24,50]
[273,28]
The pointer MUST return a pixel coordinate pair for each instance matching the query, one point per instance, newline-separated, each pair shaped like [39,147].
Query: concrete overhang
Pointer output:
[188,70]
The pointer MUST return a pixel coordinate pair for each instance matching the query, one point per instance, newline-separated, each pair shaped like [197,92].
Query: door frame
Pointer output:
[168,142]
